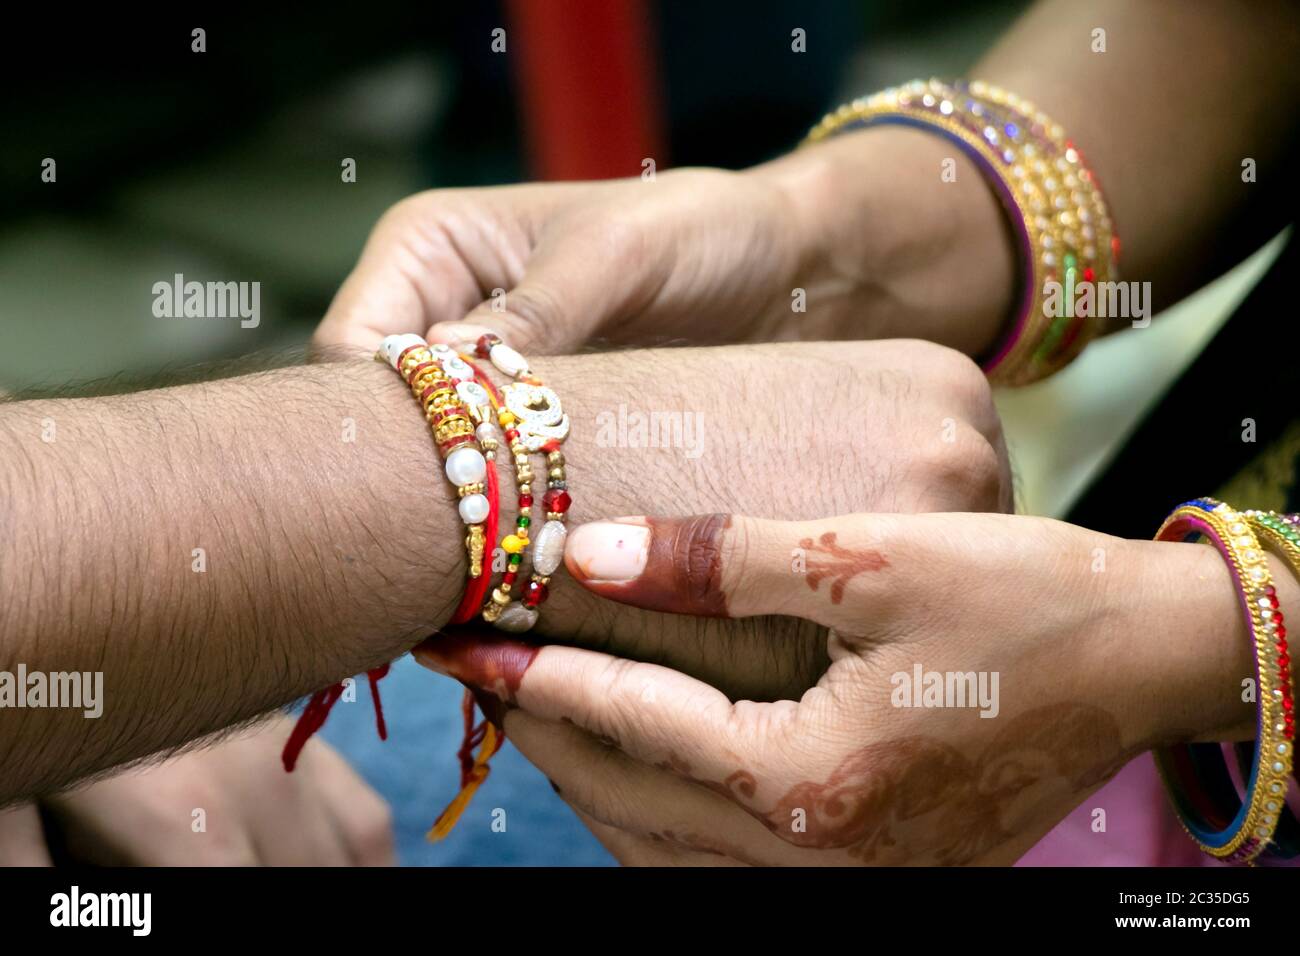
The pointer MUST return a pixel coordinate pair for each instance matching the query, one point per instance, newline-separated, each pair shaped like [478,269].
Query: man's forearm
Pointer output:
[214,550]
[323,556]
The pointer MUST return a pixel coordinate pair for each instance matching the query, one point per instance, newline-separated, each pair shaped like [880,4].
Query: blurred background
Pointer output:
[226,165]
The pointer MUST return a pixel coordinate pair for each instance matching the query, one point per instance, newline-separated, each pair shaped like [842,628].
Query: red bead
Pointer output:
[534,594]
[483,347]
[1088,274]
[511,434]
[551,445]
[1287,705]
[1273,602]
[509,577]
[1278,618]
[1283,660]
[525,501]
[1270,590]
[1280,633]
[557,500]
[1282,646]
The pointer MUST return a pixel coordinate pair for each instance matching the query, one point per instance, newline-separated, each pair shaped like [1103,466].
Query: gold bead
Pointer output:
[557,473]
[555,458]
[500,597]
[525,489]
[491,612]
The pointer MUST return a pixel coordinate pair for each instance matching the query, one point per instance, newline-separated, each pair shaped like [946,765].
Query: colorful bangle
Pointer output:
[533,421]
[1055,207]
[1222,822]
[1280,533]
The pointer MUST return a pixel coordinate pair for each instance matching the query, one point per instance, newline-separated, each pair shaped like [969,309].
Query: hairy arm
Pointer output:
[322,556]
[214,550]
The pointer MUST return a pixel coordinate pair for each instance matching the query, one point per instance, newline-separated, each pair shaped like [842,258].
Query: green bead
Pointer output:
[516,560]
[525,521]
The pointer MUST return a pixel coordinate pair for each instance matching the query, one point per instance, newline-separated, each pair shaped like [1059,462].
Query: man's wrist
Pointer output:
[898,248]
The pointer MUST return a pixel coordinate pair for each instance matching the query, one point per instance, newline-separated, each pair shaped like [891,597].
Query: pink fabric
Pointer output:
[1141,829]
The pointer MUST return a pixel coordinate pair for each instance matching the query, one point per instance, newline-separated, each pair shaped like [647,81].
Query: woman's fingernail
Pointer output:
[457,333]
[608,551]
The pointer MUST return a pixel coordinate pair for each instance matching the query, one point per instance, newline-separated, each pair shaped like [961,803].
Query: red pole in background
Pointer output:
[588,79]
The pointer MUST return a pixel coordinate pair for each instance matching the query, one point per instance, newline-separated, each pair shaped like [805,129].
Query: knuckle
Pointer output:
[964,474]
[964,381]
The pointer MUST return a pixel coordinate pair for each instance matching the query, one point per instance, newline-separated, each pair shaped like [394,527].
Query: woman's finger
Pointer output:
[655,803]
[652,713]
[832,571]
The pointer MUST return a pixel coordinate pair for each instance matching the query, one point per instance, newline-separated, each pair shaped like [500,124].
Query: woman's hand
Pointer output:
[860,238]
[230,804]
[775,431]
[986,674]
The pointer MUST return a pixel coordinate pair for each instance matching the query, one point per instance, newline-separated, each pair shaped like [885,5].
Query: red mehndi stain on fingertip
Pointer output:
[683,570]
[480,658]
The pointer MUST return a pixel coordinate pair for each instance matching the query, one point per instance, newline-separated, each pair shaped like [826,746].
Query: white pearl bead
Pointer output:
[455,368]
[508,360]
[394,345]
[466,466]
[473,509]
[487,432]
[548,547]
[472,393]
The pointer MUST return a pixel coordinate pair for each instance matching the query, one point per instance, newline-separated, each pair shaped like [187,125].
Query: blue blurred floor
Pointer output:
[417,772]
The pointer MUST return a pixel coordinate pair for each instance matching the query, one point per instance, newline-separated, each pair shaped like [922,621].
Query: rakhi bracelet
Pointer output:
[532,421]
[1063,227]
[445,388]
[1222,822]
[448,388]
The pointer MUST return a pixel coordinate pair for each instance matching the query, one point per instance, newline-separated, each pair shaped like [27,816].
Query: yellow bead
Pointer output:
[513,544]
[506,419]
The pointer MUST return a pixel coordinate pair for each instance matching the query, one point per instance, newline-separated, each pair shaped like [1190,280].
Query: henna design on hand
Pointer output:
[841,564]
[920,799]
